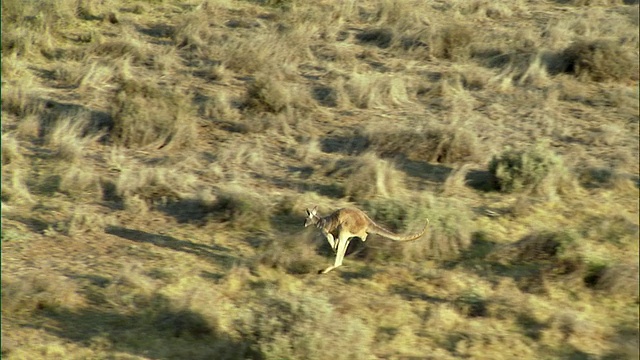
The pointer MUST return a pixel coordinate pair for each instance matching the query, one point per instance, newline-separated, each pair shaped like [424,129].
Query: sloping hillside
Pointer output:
[158,158]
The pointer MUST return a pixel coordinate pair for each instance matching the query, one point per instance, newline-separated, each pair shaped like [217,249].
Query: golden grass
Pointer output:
[158,158]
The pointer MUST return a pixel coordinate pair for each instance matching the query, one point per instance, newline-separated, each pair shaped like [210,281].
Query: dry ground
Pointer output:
[157,158]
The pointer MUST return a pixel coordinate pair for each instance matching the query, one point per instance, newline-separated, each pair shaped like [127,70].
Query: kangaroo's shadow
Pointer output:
[217,253]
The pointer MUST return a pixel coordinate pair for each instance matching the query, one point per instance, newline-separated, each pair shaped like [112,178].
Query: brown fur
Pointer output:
[344,224]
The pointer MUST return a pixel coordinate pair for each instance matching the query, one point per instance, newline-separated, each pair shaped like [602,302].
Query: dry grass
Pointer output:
[601,60]
[369,177]
[441,144]
[146,115]
[158,157]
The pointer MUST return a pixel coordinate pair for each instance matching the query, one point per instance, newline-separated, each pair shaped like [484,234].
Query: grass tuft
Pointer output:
[241,210]
[34,292]
[146,115]
[442,144]
[600,60]
[368,177]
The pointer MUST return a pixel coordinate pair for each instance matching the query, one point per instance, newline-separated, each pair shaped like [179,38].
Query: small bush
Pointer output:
[600,60]
[537,169]
[442,144]
[295,325]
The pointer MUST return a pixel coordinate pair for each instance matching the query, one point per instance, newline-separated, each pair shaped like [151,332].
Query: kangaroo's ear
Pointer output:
[314,210]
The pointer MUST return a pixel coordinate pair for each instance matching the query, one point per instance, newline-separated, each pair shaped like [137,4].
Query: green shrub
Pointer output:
[536,168]
[448,233]
[297,324]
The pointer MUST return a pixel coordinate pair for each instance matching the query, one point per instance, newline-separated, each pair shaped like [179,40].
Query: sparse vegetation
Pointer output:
[158,156]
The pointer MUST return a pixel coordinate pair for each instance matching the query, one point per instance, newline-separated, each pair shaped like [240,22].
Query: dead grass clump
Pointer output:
[374,90]
[131,288]
[545,257]
[20,99]
[369,177]
[154,185]
[537,168]
[294,254]
[439,143]
[83,220]
[616,229]
[547,246]
[450,230]
[126,45]
[270,94]
[241,209]
[86,77]
[11,152]
[80,181]
[399,216]
[70,136]
[600,60]
[14,187]
[456,181]
[146,115]
[35,292]
[452,42]
[27,28]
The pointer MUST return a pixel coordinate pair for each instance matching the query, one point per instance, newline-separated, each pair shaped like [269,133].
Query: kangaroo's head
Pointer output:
[312,217]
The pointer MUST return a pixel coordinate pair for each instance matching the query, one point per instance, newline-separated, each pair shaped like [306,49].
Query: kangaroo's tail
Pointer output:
[377,229]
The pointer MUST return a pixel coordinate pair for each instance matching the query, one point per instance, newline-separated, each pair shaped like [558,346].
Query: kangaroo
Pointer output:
[344,224]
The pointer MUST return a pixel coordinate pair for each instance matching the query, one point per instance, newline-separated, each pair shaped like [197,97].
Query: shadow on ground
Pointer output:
[156,330]
[218,254]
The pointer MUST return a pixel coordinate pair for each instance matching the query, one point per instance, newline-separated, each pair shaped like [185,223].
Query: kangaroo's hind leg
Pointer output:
[343,242]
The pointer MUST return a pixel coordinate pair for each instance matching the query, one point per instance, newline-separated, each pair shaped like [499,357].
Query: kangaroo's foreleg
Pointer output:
[331,241]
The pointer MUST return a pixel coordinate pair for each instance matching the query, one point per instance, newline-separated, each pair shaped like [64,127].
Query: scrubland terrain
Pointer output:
[158,156]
